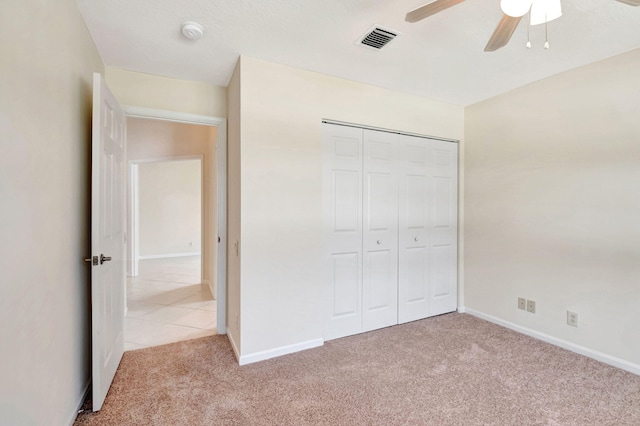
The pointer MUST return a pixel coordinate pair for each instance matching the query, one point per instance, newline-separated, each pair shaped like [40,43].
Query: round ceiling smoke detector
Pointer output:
[192,30]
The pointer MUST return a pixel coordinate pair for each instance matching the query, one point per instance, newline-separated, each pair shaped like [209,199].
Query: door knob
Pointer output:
[415,239]
[378,242]
[104,258]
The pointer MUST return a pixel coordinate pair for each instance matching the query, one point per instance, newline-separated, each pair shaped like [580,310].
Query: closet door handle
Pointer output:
[378,242]
[415,239]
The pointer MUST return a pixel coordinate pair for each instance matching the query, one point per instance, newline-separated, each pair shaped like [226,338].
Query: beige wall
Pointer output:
[552,200]
[170,207]
[149,140]
[233,208]
[281,182]
[152,91]
[45,117]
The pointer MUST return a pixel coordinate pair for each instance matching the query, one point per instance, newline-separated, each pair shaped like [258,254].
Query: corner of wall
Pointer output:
[234,128]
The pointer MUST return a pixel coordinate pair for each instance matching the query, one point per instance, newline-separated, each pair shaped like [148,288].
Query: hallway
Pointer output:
[166,303]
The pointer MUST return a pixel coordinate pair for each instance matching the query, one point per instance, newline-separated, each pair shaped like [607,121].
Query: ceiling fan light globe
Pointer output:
[545,11]
[515,8]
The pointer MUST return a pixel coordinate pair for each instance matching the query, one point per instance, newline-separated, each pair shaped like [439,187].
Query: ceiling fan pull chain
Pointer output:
[529,32]
[546,36]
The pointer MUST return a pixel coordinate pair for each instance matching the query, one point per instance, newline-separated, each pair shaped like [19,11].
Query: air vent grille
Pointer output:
[377,37]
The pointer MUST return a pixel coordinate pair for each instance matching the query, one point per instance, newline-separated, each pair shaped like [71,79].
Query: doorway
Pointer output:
[167,299]
[175,268]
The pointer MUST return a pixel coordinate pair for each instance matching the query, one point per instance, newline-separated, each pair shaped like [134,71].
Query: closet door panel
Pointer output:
[414,200]
[380,267]
[380,230]
[346,295]
[343,229]
[443,228]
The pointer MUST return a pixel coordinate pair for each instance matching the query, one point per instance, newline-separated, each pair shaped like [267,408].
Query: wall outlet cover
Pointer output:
[531,306]
[522,303]
[572,318]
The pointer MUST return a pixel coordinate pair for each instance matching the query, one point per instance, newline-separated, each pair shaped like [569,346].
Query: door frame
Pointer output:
[133,213]
[221,193]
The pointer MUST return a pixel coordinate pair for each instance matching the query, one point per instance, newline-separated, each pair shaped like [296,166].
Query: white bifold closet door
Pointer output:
[391,228]
[427,277]
[343,229]
[380,230]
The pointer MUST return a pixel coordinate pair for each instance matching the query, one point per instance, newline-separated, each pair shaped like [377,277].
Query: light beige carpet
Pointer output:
[449,370]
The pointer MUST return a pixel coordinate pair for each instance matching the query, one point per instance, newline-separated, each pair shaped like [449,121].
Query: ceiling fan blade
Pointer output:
[630,2]
[502,33]
[431,9]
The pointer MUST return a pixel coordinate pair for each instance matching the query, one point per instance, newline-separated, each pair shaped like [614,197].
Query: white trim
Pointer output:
[598,356]
[165,256]
[80,403]
[236,352]
[461,195]
[180,117]
[382,129]
[170,159]
[220,283]
[133,225]
[221,200]
[283,350]
[462,309]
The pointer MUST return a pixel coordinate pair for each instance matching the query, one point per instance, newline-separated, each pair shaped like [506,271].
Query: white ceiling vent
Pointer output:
[377,37]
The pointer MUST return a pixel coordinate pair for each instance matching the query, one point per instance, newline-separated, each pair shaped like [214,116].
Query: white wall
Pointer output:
[149,139]
[45,117]
[281,182]
[552,200]
[170,207]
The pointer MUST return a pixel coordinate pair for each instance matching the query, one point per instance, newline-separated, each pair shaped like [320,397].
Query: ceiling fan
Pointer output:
[541,11]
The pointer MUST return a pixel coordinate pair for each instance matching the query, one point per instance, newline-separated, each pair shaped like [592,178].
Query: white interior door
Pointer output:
[443,228]
[380,230]
[108,175]
[343,229]
[413,257]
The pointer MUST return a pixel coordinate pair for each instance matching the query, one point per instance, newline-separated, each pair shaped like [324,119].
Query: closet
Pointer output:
[390,228]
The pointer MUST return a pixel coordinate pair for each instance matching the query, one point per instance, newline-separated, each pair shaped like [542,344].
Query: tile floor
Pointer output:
[166,303]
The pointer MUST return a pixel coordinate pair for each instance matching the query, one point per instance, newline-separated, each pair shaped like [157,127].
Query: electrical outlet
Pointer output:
[531,306]
[522,303]
[572,318]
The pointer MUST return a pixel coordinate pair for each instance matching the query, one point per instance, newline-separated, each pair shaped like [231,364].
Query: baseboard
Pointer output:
[283,350]
[209,285]
[165,256]
[598,356]
[462,309]
[233,345]
[80,403]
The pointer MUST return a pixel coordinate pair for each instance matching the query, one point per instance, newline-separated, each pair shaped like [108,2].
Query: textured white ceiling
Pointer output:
[440,57]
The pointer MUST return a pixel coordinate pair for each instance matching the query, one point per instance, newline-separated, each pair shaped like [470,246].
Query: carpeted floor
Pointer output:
[449,370]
